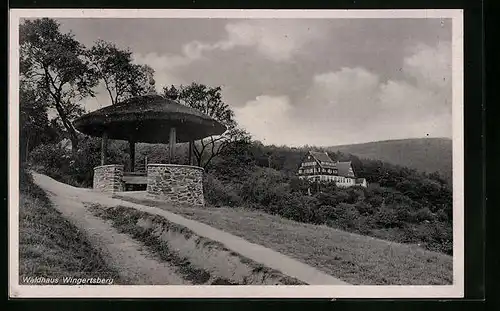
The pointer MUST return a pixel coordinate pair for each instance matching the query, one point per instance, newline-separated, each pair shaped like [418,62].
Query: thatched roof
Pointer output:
[148,119]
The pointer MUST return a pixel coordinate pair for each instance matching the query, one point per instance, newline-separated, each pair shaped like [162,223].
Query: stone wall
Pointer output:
[180,184]
[108,178]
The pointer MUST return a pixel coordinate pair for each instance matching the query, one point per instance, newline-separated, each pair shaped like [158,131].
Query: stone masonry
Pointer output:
[179,184]
[108,178]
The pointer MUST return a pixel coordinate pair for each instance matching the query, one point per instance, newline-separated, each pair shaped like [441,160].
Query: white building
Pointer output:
[318,166]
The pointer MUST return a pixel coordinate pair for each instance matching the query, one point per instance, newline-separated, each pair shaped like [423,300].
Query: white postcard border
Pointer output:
[212,291]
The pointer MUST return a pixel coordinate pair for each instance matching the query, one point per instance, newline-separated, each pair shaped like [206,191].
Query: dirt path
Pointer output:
[134,265]
[137,265]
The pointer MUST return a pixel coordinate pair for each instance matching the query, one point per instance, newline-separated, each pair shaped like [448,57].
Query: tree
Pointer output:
[53,64]
[35,127]
[208,100]
[121,78]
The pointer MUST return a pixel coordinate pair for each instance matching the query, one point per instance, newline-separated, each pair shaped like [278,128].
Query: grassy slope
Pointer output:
[49,245]
[354,258]
[424,154]
[125,219]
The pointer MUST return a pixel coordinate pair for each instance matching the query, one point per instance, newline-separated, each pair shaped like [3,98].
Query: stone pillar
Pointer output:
[109,178]
[178,184]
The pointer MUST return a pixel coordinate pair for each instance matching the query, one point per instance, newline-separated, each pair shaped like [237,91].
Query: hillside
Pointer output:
[357,259]
[423,154]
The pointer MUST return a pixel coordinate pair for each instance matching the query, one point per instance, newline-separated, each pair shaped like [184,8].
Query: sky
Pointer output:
[300,82]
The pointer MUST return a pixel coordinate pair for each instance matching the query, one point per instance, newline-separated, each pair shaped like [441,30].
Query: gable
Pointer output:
[309,160]
[318,160]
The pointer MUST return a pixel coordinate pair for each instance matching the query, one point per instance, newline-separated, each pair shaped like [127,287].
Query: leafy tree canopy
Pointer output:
[209,101]
[54,64]
[120,76]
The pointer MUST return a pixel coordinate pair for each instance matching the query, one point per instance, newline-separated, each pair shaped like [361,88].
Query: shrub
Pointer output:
[424,214]
[375,200]
[218,194]
[299,185]
[292,206]
[57,161]
[333,197]
[49,156]
[354,195]
[264,187]
[305,209]
[51,159]
[326,199]
[325,213]
[347,216]
[441,237]
[388,218]
[364,208]
[442,216]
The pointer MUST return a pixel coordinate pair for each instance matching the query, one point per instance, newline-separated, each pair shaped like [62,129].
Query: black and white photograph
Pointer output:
[233,153]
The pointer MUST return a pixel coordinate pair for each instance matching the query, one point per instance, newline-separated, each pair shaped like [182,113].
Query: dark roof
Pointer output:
[343,168]
[148,119]
[321,156]
[360,180]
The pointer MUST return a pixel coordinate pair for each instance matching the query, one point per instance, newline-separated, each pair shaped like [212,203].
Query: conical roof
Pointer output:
[148,119]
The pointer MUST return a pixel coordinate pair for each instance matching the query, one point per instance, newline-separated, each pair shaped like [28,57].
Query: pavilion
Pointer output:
[150,119]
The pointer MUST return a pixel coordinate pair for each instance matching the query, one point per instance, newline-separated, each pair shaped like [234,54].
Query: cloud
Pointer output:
[343,94]
[264,115]
[278,41]
[165,67]
[430,67]
[355,105]
[272,40]
[270,120]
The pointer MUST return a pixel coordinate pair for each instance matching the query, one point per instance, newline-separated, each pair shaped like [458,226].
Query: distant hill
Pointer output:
[423,154]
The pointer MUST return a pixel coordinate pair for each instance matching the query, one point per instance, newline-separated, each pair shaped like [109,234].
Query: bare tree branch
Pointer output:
[208,100]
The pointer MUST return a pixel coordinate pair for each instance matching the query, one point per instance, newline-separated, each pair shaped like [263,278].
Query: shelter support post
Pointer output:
[131,145]
[190,156]
[172,140]
[104,148]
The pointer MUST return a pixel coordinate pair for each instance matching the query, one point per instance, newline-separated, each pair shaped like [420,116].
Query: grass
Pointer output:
[125,220]
[353,258]
[49,245]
